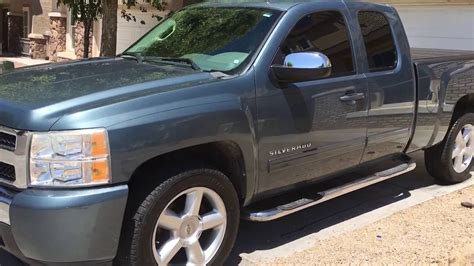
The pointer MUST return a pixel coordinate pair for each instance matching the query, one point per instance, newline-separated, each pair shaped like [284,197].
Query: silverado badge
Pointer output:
[290,149]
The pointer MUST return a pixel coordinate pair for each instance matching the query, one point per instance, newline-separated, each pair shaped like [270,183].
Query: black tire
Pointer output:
[438,159]
[136,239]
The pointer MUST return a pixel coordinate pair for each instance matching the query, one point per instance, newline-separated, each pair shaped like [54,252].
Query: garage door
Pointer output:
[129,32]
[441,27]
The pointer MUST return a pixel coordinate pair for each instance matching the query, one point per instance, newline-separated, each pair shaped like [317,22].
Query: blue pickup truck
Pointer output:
[223,111]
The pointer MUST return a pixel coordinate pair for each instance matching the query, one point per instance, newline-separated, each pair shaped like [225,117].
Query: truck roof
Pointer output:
[281,5]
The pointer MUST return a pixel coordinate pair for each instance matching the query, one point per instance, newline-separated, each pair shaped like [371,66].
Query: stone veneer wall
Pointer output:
[15,28]
[38,46]
[57,39]
[79,40]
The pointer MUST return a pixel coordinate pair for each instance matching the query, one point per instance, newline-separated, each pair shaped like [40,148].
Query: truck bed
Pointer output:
[425,53]
[444,76]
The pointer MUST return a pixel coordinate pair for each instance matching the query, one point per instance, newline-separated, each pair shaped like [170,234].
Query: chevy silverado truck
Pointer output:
[222,111]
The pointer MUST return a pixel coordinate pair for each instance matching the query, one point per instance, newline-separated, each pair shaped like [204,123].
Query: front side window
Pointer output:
[26,22]
[325,32]
[214,38]
[378,39]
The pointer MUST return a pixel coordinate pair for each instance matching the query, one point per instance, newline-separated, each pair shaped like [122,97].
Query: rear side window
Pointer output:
[325,32]
[378,39]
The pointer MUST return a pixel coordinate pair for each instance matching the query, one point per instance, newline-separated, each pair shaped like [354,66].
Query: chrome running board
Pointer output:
[320,197]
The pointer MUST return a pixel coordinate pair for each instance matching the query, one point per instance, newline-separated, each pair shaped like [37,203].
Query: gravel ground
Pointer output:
[439,231]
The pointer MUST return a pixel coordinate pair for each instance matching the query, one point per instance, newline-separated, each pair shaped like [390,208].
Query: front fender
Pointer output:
[160,120]
[136,141]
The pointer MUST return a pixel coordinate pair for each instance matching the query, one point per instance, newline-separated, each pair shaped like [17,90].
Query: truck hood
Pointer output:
[35,98]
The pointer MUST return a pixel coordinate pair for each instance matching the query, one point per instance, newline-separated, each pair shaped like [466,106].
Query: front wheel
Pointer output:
[191,218]
[451,161]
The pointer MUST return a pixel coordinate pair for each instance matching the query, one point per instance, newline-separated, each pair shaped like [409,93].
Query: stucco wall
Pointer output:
[39,10]
[41,20]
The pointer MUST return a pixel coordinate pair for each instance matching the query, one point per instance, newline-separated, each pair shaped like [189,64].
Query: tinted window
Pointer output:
[214,38]
[378,39]
[324,32]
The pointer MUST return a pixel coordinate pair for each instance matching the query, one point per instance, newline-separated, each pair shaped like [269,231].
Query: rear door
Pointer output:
[307,130]
[390,80]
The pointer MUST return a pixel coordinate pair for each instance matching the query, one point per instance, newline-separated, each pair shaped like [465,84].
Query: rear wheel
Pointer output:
[451,161]
[192,218]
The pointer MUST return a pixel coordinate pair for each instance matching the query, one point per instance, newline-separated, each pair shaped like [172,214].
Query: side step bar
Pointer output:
[320,197]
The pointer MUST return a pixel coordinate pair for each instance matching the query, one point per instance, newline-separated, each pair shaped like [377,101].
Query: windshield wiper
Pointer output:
[136,56]
[181,60]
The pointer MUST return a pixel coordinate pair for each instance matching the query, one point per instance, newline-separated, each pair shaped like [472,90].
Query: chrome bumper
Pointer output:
[6,199]
[5,212]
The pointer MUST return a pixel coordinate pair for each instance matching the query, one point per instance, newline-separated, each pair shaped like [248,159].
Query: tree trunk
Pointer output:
[87,33]
[108,44]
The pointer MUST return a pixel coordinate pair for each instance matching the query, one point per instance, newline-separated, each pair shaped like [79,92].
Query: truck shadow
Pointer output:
[254,236]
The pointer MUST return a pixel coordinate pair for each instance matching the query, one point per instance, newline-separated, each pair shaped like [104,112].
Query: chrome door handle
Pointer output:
[352,97]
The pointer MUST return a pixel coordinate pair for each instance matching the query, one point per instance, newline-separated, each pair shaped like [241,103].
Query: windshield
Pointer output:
[213,38]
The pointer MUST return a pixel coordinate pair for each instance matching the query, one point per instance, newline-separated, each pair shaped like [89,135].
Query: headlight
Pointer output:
[70,158]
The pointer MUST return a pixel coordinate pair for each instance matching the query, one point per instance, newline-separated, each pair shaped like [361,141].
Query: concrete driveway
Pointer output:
[24,61]
[264,242]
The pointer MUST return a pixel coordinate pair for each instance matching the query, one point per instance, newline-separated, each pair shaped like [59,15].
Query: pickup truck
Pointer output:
[223,111]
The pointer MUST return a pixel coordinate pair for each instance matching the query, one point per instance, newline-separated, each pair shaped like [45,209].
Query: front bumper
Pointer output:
[58,226]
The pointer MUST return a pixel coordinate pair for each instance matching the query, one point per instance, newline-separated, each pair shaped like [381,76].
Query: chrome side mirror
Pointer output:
[305,66]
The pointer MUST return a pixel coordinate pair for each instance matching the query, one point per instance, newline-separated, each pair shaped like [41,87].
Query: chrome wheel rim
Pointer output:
[202,211]
[463,149]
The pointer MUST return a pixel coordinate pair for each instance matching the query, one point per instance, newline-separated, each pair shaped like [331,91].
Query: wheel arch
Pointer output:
[463,106]
[224,156]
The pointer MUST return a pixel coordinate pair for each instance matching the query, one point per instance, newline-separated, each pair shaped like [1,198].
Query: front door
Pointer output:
[308,130]
[4,31]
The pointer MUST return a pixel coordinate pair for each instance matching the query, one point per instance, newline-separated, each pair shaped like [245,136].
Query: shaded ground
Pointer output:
[308,231]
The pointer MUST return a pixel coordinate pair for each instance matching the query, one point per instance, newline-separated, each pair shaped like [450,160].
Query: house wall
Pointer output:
[444,24]
[439,24]
[39,10]
[41,20]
